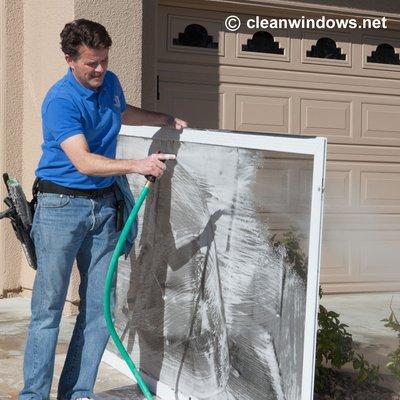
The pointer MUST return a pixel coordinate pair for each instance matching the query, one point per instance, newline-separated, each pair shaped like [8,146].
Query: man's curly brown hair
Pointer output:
[83,32]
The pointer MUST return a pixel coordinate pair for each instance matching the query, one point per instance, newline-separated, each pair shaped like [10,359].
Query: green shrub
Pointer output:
[366,372]
[294,256]
[394,364]
[334,346]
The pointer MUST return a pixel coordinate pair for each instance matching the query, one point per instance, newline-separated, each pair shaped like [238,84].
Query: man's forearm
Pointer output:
[137,116]
[97,165]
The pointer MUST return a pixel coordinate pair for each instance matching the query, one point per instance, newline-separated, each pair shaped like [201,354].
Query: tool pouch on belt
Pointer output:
[126,202]
[33,202]
[20,212]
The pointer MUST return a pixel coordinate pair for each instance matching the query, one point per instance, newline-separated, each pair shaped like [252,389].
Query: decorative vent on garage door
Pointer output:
[262,42]
[263,45]
[190,34]
[384,54]
[195,35]
[333,49]
[326,48]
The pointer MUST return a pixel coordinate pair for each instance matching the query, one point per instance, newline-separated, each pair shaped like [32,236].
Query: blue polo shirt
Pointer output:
[69,109]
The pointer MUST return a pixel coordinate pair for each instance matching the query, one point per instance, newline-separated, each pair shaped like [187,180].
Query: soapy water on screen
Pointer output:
[206,304]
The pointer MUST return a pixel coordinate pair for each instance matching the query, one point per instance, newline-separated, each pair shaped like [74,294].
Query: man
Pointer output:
[76,213]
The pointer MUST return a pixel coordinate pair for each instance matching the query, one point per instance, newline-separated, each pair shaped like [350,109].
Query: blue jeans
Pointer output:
[66,228]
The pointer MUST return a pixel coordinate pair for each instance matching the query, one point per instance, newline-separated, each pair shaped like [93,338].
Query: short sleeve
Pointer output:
[120,94]
[62,119]
[122,101]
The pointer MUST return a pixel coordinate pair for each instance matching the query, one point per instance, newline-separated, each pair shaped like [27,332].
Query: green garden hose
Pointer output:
[108,285]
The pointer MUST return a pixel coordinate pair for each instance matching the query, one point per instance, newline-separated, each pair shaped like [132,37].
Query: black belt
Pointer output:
[50,187]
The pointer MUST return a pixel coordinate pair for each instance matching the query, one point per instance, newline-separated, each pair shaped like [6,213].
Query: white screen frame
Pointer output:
[315,146]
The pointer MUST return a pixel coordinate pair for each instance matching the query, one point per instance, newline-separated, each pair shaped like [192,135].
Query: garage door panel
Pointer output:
[332,117]
[381,122]
[187,106]
[287,189]
[379,256]
[360,252]
[357,187]
[360,255]
[342,187]
[278,198]
[337,253]
[338,188]
[380,188]
[262,113]
[201,105]
[335,114]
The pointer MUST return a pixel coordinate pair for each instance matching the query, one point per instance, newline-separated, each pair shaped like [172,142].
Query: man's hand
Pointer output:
[153,165]
[175,123]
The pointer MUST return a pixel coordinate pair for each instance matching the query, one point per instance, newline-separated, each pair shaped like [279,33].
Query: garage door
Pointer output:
[341,85]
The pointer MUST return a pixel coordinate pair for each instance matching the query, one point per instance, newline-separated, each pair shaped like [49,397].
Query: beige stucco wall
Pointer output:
[124,23]
[2,130]
[11,132]
[133,54]
[43,66]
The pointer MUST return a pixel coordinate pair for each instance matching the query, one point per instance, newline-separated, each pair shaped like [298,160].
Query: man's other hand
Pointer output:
[137,116]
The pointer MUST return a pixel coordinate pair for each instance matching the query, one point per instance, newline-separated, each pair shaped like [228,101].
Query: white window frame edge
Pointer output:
[315,146]
[313,271]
